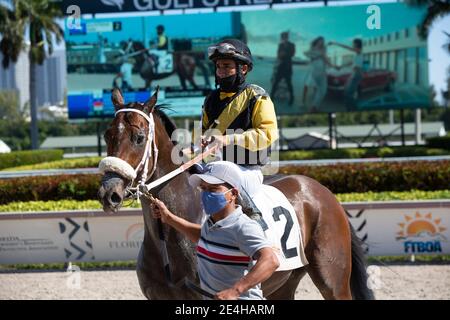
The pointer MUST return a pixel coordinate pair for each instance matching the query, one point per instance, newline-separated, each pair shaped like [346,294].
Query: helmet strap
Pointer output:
[240,79]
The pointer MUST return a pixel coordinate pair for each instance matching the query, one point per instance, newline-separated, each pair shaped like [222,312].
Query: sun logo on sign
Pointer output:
[420,226]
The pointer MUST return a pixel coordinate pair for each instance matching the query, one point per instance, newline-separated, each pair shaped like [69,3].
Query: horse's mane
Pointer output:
[168,123]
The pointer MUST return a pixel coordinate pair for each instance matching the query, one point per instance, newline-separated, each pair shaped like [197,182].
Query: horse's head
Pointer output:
[131,150]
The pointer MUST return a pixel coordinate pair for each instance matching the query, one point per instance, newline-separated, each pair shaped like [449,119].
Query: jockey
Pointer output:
[238,116]
[161,43]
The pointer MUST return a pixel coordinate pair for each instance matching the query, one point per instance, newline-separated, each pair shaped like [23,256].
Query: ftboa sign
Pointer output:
[114,6]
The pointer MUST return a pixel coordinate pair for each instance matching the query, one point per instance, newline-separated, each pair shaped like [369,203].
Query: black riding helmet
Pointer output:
[231,49]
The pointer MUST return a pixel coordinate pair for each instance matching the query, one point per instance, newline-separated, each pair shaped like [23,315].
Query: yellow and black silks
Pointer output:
[247,119]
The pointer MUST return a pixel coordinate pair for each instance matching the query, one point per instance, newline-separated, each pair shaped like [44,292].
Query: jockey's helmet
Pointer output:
[231,49]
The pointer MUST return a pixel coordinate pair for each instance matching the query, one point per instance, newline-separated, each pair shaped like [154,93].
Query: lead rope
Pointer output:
[163,244]
[166,263]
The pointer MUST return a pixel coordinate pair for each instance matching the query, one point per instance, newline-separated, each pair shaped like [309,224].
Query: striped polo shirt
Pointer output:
[225,251]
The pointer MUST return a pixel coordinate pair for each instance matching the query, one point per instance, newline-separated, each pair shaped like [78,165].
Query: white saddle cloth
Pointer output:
[283,227]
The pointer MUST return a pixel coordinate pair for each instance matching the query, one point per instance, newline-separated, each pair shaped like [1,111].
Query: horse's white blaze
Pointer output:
[121,128]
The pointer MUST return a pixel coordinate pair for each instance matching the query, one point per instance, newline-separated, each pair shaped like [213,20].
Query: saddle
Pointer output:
[277,217]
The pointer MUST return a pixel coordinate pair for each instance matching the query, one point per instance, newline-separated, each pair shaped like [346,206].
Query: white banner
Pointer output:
[403,228]
[31,239]
[386,228]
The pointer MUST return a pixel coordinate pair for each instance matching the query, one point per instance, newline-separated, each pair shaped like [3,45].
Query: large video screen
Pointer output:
[334,61]
[320,59]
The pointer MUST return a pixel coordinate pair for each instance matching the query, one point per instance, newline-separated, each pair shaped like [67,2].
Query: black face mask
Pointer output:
[227,84]
[232,83]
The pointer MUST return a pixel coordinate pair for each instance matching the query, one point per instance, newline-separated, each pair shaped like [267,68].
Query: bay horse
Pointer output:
[336,259]
[184,65]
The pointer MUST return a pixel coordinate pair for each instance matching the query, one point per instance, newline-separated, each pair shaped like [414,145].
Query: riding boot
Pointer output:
[250,209]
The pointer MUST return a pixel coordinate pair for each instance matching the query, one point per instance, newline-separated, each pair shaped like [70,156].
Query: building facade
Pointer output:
[51,80]
[402,51]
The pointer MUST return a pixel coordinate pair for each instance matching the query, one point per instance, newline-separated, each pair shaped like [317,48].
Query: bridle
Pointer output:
[123,168]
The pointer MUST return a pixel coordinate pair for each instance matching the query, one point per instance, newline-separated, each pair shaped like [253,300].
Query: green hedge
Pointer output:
[381,176]
[439,142]
[349,153]
[63,205]
[354,153]
[393,195]
[52,205]
[19,158]
[341,178]
[60,205]
[80,187]
[91,162]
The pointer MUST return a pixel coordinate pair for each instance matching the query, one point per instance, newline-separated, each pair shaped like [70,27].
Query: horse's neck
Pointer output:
[183,201]
[180,199]
[177,195]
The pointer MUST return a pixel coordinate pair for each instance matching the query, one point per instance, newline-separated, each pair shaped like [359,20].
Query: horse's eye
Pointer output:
[139,138]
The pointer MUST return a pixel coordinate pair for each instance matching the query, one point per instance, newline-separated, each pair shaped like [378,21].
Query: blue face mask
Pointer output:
[214,201]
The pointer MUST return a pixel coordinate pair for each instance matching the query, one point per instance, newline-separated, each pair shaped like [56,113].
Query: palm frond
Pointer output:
[37,15]
[435,10]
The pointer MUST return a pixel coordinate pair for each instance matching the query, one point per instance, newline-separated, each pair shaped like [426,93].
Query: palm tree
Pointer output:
[36,18]
[435,9]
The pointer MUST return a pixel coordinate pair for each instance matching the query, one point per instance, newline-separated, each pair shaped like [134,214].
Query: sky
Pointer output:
[439,58]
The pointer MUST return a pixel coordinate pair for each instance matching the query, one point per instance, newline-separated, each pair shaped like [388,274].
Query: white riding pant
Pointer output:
[252,179]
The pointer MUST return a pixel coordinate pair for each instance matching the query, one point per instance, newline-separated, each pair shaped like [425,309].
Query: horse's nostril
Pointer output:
[115,198]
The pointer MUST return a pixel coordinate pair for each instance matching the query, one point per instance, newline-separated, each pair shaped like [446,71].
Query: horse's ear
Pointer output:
[150,104]
[117,99]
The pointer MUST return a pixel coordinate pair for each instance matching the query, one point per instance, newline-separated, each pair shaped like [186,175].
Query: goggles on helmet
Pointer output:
[225,49]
